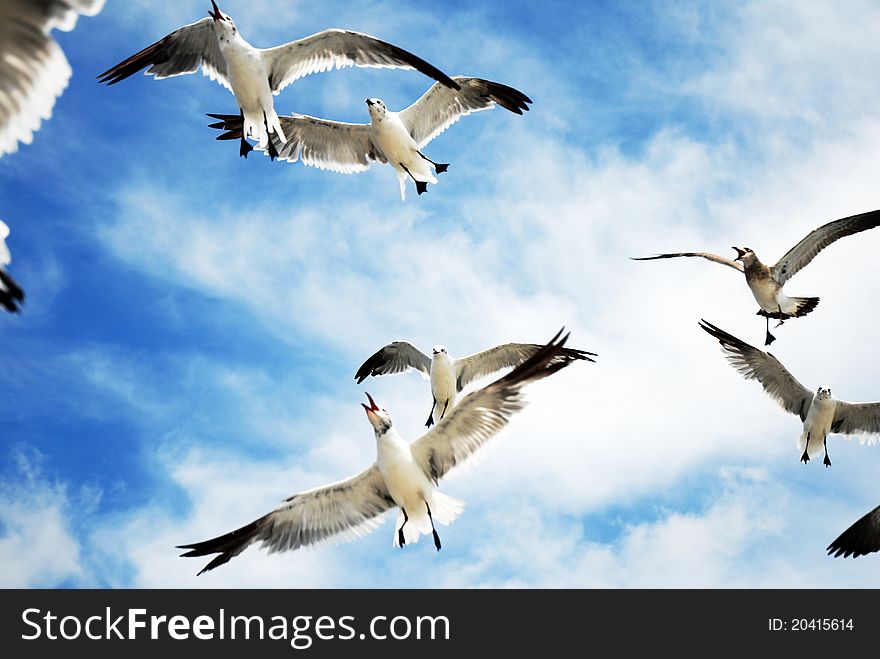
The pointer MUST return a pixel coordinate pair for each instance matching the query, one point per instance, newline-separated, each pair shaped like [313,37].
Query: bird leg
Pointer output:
[245,147]
[400,539]
[781,318]
[805,458]
[827,460]
[769,338]
[438,167]
[443,413]
[273,152]
[433,530]
[421,186]
[430,420]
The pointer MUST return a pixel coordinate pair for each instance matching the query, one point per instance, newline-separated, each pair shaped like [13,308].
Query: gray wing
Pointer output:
[754,364]
[800,255]
[336,49]
[862,538]
[346,510]
[468,369]
[394,358]
[33,68]
[183,51]
[331,145]
[854,418]
[440,106]
[483,413]
[736,265]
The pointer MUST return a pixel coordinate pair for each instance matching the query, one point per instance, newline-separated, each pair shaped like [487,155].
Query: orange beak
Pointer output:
[373,407]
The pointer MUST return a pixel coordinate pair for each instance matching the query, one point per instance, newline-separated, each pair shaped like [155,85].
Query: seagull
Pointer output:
[253,75]
[860,539]
[821,412]
[448,375]
[33,68]
[403,476]
[766,282]
[396,138]
[11,294]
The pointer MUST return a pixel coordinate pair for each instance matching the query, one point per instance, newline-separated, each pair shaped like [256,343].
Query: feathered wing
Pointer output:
[754,364]
[441,106]
[482,413]
[183,51]
[468,369]
[862,538]
[800,255]
[33,68]
[11,294]
[336,49]
[331,145]
[396,357]
[854,418]
[346,509]
[736,265]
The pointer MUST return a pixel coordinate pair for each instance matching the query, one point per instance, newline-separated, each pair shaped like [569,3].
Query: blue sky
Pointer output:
[185,357]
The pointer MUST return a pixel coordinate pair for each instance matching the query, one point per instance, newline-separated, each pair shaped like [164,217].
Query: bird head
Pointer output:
[223,24]
[439,351]
[823,394]
[746,255]
[377,108]
[377,416]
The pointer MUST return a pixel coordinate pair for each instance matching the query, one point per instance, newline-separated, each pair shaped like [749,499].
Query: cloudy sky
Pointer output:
[185,357]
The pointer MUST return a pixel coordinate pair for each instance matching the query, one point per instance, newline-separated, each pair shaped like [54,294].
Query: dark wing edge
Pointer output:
[860,539]
[396,357]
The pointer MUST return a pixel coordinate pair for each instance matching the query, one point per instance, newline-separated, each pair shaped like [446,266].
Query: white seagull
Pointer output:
[448,375]
[254,75]
[11,294]
[862,538]
[396,138]
[404,475]
[821,413]
[33,68]
[766,282]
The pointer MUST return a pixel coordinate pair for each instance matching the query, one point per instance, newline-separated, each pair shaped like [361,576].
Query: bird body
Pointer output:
[392,138]
[818,424]
[11,294]
[768,291]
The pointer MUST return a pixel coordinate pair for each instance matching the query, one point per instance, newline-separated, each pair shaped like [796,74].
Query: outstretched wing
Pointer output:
[755,364]
[336,49]
[331,145]
[468,369]
[854,418]
[482,413]
[441,106]
[346,509]
[33,68]
[394,358]
[806,250]
[736,265]
[183,51]
[861,538]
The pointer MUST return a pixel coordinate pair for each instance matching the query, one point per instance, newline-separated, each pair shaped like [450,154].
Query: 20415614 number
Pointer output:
[821,624]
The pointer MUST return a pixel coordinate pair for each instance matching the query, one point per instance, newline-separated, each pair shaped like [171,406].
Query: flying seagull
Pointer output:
[11,294]
[33,69]
[820,412]
[396,138]
[404,475]
[253,75]
[448,375]
[862,538]
[766,282]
